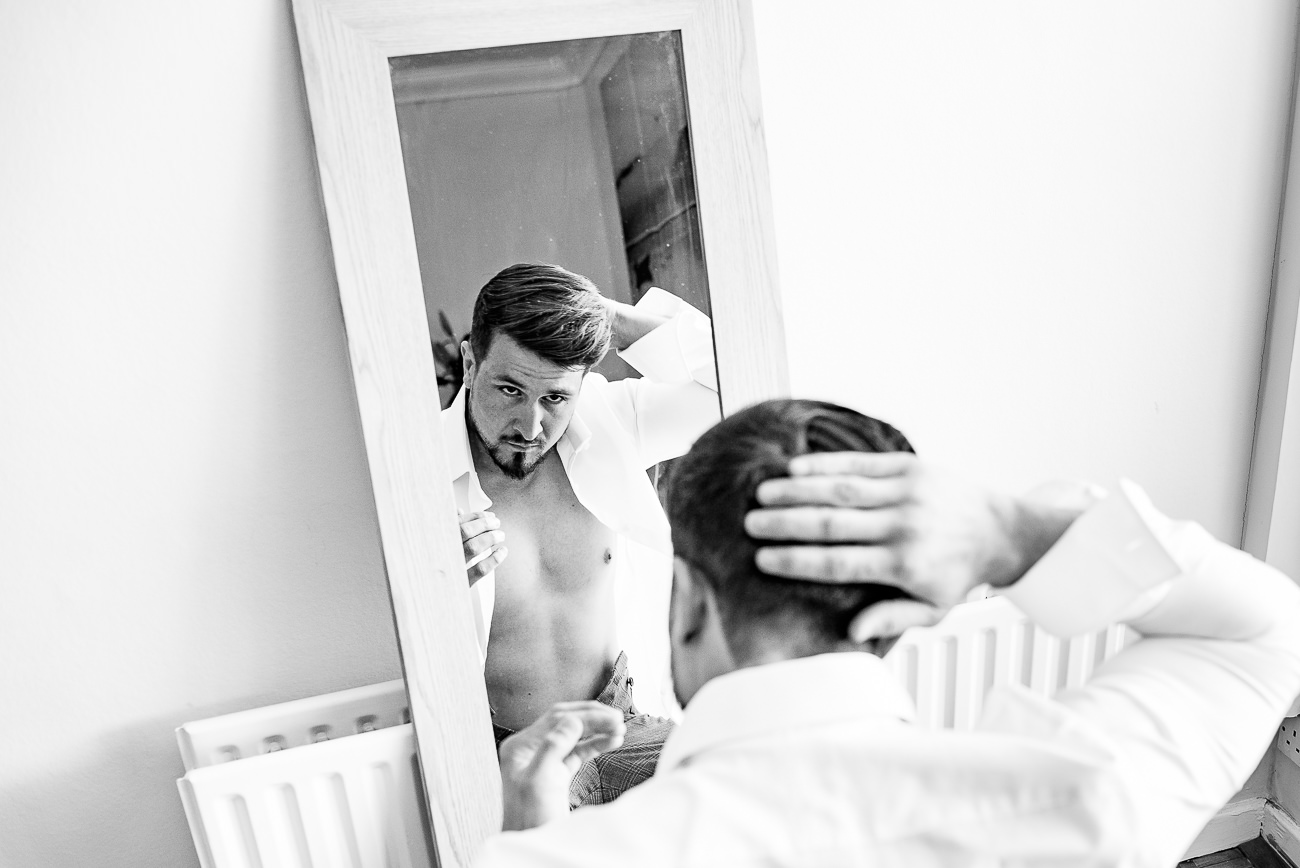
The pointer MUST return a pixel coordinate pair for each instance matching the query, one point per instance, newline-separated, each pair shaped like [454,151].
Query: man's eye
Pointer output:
[509,390]
[555,399]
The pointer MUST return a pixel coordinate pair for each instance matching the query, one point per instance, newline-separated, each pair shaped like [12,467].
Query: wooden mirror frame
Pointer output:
[346,46]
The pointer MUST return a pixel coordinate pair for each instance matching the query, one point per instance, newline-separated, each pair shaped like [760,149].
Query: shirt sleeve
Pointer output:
[680,350]
[676,399]
[1187,711]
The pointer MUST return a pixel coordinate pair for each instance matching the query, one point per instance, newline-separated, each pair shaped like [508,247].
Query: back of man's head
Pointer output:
[713,486]
[545,309]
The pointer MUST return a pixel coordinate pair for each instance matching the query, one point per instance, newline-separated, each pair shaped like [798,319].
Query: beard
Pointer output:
[511,462]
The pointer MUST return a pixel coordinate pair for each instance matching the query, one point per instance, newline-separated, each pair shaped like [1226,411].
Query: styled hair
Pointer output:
[545,309]
[713,486]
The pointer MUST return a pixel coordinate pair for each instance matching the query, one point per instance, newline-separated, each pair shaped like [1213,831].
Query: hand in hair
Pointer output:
[628,323]
[538,762]
[483,542]
[890,518]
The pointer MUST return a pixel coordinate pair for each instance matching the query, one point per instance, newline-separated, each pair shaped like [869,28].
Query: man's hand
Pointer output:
[629,324]
[538,762]
[891,519]
[483,542]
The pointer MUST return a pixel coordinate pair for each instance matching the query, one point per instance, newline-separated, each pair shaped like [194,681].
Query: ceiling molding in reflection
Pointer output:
[536,68]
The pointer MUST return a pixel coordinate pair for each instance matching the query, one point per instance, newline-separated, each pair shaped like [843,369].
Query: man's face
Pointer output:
[519,403]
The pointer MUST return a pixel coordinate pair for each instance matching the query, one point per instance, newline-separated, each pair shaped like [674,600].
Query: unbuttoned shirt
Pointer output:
[814,761]
[618,430]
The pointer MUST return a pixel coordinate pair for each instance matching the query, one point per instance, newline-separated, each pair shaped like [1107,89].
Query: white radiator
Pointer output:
[332,780]
[325,782]
[950,668]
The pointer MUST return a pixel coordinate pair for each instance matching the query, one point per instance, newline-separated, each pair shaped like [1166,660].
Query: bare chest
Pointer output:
[556,546]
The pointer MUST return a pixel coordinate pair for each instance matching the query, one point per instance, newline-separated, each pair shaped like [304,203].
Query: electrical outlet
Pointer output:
[1288,739]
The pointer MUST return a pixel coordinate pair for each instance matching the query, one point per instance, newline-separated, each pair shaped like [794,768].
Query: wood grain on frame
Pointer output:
[345,47]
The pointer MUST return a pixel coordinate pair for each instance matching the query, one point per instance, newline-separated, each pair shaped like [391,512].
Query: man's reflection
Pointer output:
[548,462]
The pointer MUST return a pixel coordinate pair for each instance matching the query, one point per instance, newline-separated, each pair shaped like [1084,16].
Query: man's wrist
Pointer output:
[1031,529]
[524,809]
[629,324]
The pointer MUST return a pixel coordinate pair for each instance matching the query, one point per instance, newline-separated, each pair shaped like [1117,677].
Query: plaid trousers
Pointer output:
[614,772]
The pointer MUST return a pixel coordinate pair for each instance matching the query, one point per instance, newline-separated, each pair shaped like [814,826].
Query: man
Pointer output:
[795,748]
[549,467]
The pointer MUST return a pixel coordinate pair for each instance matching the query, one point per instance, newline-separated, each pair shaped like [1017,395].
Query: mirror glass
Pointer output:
[578,154]
[575,153]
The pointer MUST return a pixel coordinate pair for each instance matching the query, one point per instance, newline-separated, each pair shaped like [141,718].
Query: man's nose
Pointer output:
[530,422]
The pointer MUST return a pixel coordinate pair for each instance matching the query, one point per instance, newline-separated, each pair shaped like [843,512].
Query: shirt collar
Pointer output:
[789,695]
[455,432]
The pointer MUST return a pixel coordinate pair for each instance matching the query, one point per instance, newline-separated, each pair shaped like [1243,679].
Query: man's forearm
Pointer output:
[630,324]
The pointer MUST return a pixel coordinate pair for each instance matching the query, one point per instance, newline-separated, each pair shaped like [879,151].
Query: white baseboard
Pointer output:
[1245,820]
[1281,830]
[1236,823]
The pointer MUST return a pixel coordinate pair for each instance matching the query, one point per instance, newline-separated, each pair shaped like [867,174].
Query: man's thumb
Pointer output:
[562,737]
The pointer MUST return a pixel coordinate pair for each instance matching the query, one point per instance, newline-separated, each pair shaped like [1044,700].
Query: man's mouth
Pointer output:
[522,445]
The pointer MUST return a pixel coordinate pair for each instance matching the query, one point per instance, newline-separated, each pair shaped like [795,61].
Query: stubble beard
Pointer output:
[512,463]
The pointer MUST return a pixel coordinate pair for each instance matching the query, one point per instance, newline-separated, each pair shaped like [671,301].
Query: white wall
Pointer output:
[1038,235]
[185,516]
[186,523]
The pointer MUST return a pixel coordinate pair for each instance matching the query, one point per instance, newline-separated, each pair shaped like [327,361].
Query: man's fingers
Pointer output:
[852,464]
[857,491]
[597,718]
[578,731]
[474,523]
[590,748]
[478,569]
[891,618]
[560,739]
[482,543]
[824,524]
[830,564]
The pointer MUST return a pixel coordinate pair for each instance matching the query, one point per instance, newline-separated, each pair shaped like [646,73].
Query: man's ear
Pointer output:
[879,625]
[467,362]
[691,601]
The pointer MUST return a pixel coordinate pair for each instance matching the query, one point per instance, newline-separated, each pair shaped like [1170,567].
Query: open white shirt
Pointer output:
[813,762]
[618,430]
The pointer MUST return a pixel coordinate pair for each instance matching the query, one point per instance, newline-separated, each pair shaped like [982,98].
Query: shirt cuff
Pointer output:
[680,350]
[1110,566]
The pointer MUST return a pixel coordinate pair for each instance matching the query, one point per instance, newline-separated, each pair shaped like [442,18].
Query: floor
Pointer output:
[1252,854]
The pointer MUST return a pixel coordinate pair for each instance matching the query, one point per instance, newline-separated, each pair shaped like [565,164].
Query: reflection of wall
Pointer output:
[650,147]
[496,180]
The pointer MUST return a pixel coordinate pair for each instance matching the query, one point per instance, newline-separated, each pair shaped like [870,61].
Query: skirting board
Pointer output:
[1238,822]
[1282,832]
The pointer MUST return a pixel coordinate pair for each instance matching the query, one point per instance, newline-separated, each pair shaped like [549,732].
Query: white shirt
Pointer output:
[812,762]
[617,431]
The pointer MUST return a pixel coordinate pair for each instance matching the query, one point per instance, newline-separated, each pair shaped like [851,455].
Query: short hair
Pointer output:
[713,486]
[545,309]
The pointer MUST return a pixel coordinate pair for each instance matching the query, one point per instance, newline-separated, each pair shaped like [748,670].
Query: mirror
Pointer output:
[575,153]
[389,248]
